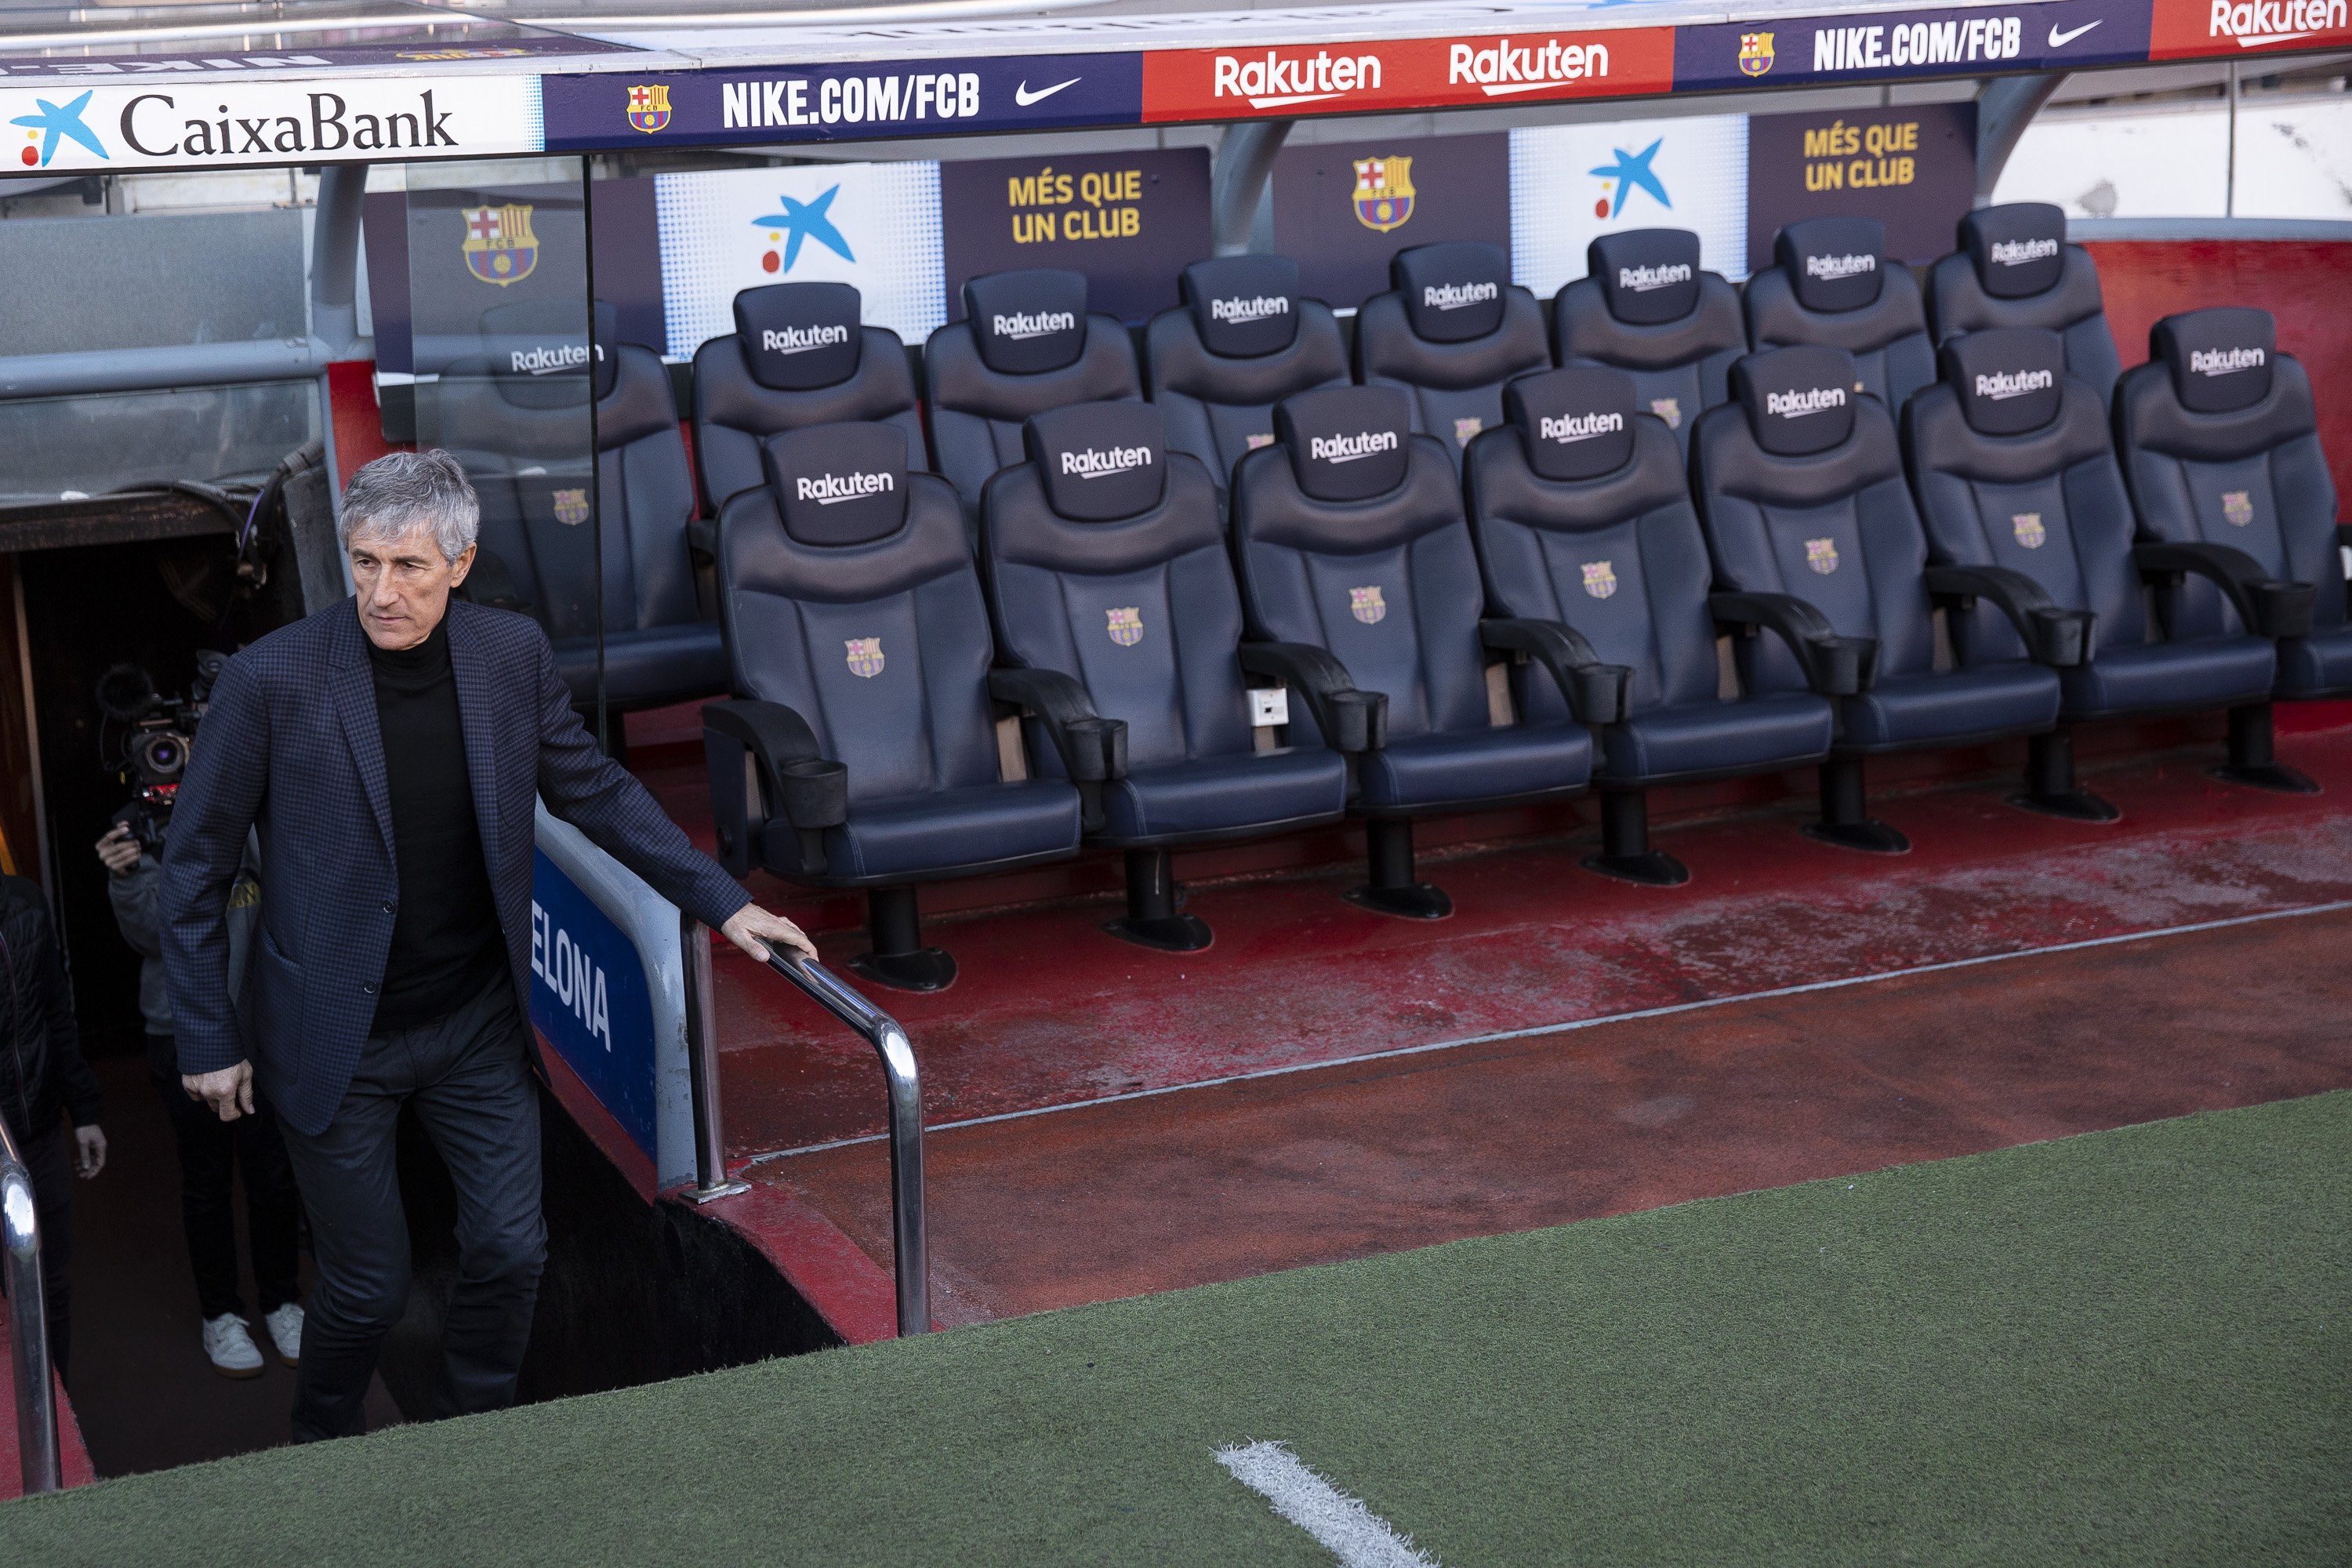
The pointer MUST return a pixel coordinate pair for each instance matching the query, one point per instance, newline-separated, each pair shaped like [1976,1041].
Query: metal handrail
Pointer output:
[710,1179]
[909,1242]
[28,1325]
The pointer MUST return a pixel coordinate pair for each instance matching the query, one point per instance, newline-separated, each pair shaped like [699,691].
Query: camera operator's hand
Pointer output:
[118,851]
[90,1150]
[228,1092]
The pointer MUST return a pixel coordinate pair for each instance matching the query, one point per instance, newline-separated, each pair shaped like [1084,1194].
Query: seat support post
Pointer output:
[1152,919]
[1845,813]
[2253,759]
[899,958]
[1387,847]
[2050,787]
[1625,852]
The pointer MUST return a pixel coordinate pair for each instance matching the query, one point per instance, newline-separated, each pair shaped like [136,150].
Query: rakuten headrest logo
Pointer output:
[1811,400]
[1568,428]
[1457,296]
[1241,312]
[1102,462]
[2003,385]
[2255,23]
[1021,325]
[1643,279]
[1347,448]
[2224,361]
[825,489]
[800,340]
[546,360]
[1830,269]
[2019,252]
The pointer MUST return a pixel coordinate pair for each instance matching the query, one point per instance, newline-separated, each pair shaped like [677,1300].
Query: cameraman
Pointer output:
[42,1074]
[210,1149]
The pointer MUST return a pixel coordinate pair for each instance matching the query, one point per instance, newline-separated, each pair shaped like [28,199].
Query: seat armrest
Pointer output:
[489,582]
[702,538]
[2060,638]
[1834,666]
[1351,720]
[1597,693]
[2270,608]
[762,759]
[1093,749]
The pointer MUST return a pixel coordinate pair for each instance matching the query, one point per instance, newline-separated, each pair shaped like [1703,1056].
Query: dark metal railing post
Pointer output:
[702,1067]
[28,1325]
[909,1238]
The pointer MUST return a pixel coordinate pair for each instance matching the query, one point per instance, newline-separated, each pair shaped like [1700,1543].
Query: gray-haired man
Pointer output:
[388,752]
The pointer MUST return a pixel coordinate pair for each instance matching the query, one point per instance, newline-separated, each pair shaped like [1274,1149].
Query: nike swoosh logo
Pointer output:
[2059,40]
[1025,98]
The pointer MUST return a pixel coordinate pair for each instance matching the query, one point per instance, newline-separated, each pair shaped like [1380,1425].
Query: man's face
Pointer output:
[403,586]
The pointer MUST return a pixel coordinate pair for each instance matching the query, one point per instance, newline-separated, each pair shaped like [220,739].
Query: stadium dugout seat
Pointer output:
[859,750]
[800,354]
[1583,513]
[1026,344]
[1453,330]
[2014,268]
[1241,341]
[1646,308]
[1832,284]
[2018,485]
[1351,540]
[2220,448]
[1114,600]
[516,417]
[1801,483]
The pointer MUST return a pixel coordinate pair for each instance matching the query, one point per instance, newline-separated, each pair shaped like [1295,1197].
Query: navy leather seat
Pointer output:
[861,749]
[2018,485]
[2220,446]
[1241,341]
[1646,308]
[1801,486]
[1584,519]
[516,417]
[1114,596]
[1026,344]
[2014,268]
[1451,332]
[1350,539]
[1832,284]
[799,356]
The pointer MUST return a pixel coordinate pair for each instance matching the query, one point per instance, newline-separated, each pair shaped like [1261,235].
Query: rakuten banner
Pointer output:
[2186,27]
[1398,74]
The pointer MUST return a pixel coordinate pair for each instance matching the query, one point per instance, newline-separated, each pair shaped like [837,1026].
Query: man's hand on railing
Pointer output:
[228,1092]
[755,929]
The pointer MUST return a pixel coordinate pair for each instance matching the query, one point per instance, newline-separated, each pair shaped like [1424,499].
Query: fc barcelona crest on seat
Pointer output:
[1126,626]
[572,507]
[1821,555]
[649,107]
[2027,526]
[500,247]
[1383,193]
[1367,605]
[2238,507]
[1669,409]
[865,657]
[1466,430]
[1600,579]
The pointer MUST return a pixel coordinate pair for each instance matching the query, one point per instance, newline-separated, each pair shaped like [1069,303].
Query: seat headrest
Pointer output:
[1028,321]
[1346,443]
[798,336]
[2220,359]
[1576,424]
[1832,263]
[839,484]
[1798,400]
[2009,378]
[1453,292]
[2018,249]
[1647,275]
[547,340]
[1243,306]
[1100,461]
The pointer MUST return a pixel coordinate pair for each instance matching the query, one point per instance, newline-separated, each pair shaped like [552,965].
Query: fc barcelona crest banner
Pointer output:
[1383,193]
[649,107]
[1343,208]
[500,247]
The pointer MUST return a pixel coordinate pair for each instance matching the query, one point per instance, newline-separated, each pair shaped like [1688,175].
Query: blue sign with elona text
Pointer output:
[589,1000]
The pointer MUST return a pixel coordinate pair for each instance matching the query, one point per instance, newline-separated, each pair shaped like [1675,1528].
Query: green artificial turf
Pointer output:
[2128,1347]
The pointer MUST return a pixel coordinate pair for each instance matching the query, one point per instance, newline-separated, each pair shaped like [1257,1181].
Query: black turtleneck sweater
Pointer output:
[446,944]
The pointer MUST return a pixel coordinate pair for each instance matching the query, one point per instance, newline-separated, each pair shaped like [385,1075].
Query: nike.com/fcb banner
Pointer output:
[2058,35]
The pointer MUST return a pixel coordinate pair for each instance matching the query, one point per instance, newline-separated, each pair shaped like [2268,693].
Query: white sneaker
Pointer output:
[229,1347]
[285,1326]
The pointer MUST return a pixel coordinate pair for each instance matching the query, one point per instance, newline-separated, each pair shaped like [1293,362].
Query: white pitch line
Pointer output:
[1353,1533]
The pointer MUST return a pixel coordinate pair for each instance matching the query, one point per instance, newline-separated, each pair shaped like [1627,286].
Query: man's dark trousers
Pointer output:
[466,1076]
[211,1151]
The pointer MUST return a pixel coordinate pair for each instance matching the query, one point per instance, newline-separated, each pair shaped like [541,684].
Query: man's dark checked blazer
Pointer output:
[290,744]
